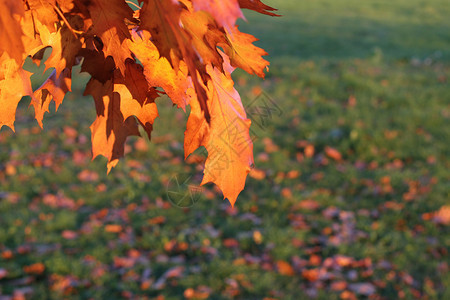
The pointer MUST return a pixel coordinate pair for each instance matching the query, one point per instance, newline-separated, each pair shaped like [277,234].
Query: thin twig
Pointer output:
[74,32]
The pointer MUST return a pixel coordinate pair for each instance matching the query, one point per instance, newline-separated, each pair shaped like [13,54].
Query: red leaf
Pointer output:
[258,6]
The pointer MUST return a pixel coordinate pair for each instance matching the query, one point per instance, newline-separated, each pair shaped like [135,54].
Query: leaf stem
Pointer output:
[74,32]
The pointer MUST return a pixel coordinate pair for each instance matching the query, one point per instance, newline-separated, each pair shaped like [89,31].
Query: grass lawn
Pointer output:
[348,199]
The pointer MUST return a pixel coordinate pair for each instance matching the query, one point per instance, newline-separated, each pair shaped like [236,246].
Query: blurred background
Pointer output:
[349,198]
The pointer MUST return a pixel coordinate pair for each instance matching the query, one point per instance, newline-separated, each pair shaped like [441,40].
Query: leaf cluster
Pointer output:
[134,53]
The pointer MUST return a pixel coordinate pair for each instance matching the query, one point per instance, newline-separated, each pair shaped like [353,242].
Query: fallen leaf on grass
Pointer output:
[257,237]
[292,174]
[146,284]
[338,285]
[351,102]
[88,176]
[347,295]
[37,268]
[201,292]
[442,216]
[124,262]
[3,273]
[69,234]
[343,261]
[315,260]
[284,268]
[309,151]
[286,193]
[257,174]
[175,246]
[308,204]
[7,254]
[311,275]
[113,228]
[333,153]
[157,220]
[230,243]
[393,205]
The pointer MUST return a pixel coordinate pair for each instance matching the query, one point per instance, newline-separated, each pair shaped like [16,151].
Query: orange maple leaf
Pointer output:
[44,12]
[52,89]
[108,19]
[65,47]
[161,19]
[158,70]
[116,104]
[225,12]
[227,139]
[243,54]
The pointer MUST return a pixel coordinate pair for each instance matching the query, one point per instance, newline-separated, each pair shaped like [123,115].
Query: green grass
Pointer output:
[392,58]
[347,29]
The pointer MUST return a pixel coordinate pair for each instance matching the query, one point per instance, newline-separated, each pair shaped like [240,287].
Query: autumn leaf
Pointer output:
[65,47]
[158,71]
[227,139]
[37,268]
[311,274]
[10,36]
[44,12]
[113,228]
[14,84]
[333,153]
[258,6]
[284,268]
[69,234]
[243,54]
[443,215]
[116,102]
[53,89]
[97,65]
[225,12]
[108,18]
[137,98]
[161,19]
[205,35]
